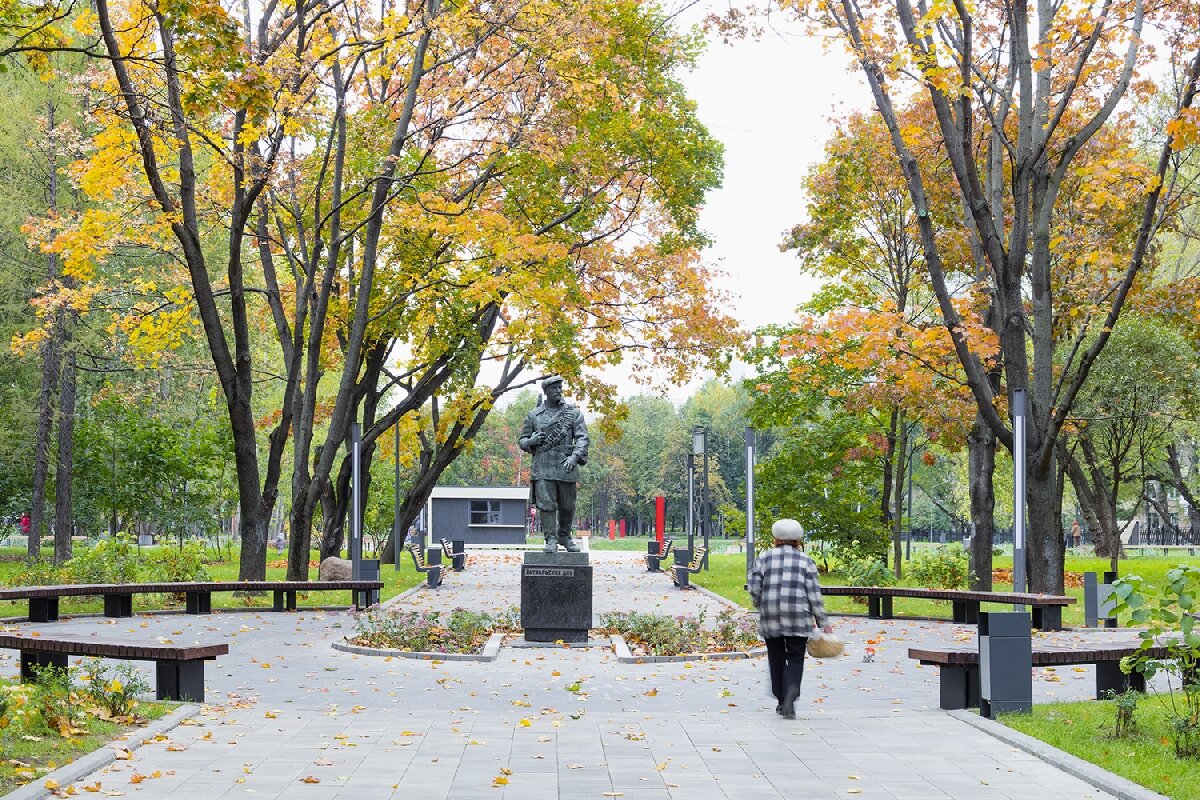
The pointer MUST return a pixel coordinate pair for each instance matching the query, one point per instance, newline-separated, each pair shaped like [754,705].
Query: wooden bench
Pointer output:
[654,560]
[1047,608]
[458,561]
[118,597]
[680,572]
[433,572]
[959,678]
[179,669]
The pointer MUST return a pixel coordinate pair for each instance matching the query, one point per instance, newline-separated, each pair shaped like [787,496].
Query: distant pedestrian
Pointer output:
[25,524]
[784,588]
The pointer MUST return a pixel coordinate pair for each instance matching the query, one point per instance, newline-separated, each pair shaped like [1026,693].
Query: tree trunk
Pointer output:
[64,519]
[41,446]
[981,466]
[1044,551]
[900,455]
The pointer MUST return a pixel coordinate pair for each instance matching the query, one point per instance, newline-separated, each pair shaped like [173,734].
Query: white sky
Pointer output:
[770,102]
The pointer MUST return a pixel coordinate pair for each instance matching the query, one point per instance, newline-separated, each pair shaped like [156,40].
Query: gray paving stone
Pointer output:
[412,723]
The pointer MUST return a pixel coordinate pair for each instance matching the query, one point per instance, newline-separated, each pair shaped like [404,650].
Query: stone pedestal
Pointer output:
[556,597]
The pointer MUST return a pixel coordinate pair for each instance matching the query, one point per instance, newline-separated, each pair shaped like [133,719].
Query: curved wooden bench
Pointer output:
[179,669]
[118,597]
[959,677]
[433,572]
[654,560]
[680,572]
[1047,608]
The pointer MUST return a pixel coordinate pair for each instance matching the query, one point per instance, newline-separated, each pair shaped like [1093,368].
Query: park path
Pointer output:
[284,706]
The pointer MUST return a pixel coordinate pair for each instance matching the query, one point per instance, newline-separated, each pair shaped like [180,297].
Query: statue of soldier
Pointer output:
[555,434]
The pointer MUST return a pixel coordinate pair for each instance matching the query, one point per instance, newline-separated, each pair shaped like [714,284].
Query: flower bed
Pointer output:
[662,635]
[459,631]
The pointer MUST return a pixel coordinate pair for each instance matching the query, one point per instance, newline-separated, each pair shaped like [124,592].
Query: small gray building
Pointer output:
[478,515]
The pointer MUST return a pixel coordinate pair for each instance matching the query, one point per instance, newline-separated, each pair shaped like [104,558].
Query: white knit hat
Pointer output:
[788,530]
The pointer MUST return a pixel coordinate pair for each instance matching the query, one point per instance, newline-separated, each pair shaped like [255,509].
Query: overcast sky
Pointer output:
[770,102]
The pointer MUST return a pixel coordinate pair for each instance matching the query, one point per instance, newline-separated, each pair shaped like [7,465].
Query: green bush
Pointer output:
[662,635]
[946,567]
[179,564]
[114,688]
[1169,617]
[867,572]
[460,631]
[54,701]
[112,560]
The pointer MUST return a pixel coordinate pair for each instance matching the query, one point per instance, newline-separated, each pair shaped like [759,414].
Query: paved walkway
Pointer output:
[286,707]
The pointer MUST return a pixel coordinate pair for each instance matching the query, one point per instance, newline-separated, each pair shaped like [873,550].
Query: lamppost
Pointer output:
[397,540]
[1018,452]
[700,448]
[355,502]
[750,444]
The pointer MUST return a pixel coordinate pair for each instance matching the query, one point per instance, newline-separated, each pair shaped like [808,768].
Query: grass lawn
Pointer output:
[727,576]
[30,749]
[1146,757]
[394,582]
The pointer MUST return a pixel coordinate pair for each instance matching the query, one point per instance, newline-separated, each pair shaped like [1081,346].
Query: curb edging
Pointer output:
[1098,777]
[102,757]
[491,649]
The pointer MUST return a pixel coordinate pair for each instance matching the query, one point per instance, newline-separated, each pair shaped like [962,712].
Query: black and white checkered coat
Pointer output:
[784,588]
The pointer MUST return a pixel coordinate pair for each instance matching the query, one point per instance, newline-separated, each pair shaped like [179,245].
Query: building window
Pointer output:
[485,512]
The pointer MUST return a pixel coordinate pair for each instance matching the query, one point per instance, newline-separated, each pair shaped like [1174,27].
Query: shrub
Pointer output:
[867,572]
[1125,704]
[1169,618]
[460,631]
[113,689]
[180,564]
[947,567]
[54,701]
[112,560]
[661,635]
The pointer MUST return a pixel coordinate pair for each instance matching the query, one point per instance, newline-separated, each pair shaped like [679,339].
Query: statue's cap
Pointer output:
[553,379]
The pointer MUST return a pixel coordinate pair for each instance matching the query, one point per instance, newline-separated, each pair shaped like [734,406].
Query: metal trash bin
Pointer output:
[1005,662]
[1098,603]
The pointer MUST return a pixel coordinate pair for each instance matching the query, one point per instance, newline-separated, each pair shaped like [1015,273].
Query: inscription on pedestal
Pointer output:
[556,603]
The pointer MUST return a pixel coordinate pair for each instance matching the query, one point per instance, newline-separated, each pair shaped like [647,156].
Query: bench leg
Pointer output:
[879,607]
[959,687]
[1110,678]
[965,611]
[118,605]
[277,605]
[683,578]
[43,609]
[433,578]
[199,602]
[1047,618]
[181,680]
[32,661]
[291,599]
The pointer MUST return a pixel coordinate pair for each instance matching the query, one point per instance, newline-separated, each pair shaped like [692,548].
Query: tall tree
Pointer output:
[1019,93]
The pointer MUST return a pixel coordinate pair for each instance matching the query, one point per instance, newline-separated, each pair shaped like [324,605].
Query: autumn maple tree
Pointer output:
[420,206]
[1020,92]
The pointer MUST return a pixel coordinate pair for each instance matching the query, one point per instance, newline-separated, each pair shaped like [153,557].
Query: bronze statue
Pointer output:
[555,434]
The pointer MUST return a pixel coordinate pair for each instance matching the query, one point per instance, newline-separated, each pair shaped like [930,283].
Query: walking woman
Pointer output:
[784,588]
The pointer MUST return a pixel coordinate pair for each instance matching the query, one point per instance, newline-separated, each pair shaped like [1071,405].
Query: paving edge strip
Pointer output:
[491,649]
[1102,779]
[98,759]
[626,656]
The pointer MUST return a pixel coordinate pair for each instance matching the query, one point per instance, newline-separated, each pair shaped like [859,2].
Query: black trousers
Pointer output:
[556,507]
[785,660]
